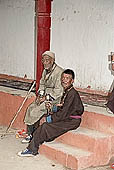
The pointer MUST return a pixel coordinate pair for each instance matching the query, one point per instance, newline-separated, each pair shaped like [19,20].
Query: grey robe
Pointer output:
[51,83]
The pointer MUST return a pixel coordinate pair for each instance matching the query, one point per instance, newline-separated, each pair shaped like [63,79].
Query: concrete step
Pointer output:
[10,102]
[69,156]
[74,144]
[83,138]
[97,118]
[90,140]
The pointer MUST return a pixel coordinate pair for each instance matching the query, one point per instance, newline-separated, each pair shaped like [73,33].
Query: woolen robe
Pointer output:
[61,120]
[51,84]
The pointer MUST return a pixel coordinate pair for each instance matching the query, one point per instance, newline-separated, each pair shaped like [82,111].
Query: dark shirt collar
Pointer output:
[68,88]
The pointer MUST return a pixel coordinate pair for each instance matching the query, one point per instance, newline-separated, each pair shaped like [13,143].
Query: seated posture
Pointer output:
[50,87]
[67,117]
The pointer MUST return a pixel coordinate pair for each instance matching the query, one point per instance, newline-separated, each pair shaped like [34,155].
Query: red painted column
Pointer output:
[43,8]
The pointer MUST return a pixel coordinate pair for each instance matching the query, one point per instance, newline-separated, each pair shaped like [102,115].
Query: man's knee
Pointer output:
[44,126]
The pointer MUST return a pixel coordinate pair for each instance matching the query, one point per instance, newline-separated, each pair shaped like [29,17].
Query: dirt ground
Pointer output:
[10,146]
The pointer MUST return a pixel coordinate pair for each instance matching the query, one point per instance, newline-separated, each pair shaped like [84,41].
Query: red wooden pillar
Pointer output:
[43,8]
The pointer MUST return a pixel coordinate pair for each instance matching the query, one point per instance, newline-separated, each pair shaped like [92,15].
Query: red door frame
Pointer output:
[43,8]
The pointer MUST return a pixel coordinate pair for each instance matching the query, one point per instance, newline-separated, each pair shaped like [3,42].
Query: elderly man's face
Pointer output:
[66,80]
[47,62]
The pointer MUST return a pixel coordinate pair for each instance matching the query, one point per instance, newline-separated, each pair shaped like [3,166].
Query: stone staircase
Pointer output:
[89,145]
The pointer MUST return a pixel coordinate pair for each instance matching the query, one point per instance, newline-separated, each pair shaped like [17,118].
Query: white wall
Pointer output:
[83,37]
[17,37]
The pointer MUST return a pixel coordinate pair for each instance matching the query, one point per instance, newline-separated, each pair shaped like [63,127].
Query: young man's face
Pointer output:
[66,80]
[47,62]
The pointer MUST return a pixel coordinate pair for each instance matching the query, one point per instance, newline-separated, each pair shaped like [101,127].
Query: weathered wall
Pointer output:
[17,37]
[83,37]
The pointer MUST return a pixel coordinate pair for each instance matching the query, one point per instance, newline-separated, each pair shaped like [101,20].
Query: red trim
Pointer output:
[10,77]
[43,34]
[91,91]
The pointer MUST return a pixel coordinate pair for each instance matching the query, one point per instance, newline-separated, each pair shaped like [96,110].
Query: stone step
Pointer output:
[90,140]
[83,138]
[10,102]
[69,156]
[99,119]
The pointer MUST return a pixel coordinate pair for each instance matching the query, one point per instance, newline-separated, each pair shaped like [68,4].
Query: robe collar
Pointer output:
[68,88]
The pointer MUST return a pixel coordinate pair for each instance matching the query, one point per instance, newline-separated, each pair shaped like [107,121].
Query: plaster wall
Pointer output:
[82,38]
[17,37]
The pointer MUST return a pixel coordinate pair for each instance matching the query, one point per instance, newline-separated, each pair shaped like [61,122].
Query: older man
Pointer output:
[67,117]
[50,88]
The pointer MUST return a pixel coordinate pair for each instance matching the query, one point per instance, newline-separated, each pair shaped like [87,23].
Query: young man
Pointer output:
[50,85]
[67,117]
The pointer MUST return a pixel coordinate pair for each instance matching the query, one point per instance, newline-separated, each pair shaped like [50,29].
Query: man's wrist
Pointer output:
[48,119]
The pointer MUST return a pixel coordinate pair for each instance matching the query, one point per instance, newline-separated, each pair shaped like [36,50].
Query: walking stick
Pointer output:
[19,109]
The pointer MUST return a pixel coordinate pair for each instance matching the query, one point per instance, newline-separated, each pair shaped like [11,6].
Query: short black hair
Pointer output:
[71,72]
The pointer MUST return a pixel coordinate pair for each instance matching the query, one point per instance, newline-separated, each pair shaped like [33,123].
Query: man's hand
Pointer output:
[40,100]
[60,105]
[48,105]
[42,120]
